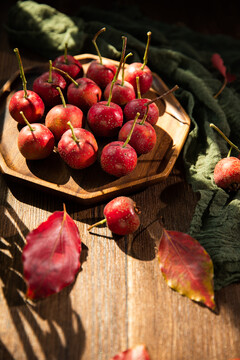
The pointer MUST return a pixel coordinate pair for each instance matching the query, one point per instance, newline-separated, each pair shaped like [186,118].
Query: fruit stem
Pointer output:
[95,44]
[66,74]
[61,96]
[224,137]
[73,133]
[97,223]
[118,69]
[50,72]
[131,131]
[65,53]
[123,66]
[145,57]
[26,121]
[22,75]
[221,89]
[161,96]
[139,96]
[145,115]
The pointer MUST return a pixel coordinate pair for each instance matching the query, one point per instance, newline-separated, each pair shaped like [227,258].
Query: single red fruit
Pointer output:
[32,106]
[121,215]
[121,94]
[118,160]
[137,105]
[78,148]
[58,117]
[138,352]
[105,120]
[143,138]
[86,94]
[101,74]
[145,76]
[227,173]
[45,87]
[70,65]
[35,141]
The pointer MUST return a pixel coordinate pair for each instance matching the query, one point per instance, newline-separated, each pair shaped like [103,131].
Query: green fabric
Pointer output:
[180,56]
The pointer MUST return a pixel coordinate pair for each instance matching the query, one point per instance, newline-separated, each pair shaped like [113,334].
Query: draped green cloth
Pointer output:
[179,56]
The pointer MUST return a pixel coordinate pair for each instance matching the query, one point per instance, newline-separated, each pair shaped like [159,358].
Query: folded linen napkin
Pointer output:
[179,56]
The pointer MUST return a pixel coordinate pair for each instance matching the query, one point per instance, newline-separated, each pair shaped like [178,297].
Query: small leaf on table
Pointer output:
[218,64]
[186,267]
[51,256]
[138,352]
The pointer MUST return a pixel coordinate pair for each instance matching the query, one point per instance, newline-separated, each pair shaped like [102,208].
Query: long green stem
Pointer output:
[73,133]
[123,66]
[65,74]
[65,53]
[26,121]
[61,96]
[139,95]
[97,223]
[224,137]
[144,116]
[22,75]
[95,44]
[131,131]
[50,72]
[161,96]
[145,57]
[118,69]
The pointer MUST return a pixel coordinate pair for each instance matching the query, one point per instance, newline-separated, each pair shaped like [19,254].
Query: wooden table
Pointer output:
[119,298]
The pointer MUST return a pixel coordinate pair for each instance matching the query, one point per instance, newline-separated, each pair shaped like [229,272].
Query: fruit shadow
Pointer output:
[66,338]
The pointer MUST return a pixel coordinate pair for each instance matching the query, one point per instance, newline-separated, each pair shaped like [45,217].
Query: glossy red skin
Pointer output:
[48,91]
[117,160]
[58,116]
[137,105]
[33,107]
[143,138]
[145,76]
[101,74]
[72,67]
[138,352]
[86,94]
[121,94]
[122,215]
[37,144]
[227,173]
[78,155]
[104,120]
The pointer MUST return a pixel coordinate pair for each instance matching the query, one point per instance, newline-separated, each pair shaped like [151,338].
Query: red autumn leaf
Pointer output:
[186,266]
[139,352]
[218,63]
[51,255]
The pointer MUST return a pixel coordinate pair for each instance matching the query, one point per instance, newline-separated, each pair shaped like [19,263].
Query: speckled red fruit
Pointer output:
[78,155]
[122,216]
[86,94]
[101,74]
[143,138]
[121,94]
[117,160]
[33,107]
[145,76]
[58,116]
[227,173]
[105,120]
[137,105]
[48,90]
[37,144]
[72,66]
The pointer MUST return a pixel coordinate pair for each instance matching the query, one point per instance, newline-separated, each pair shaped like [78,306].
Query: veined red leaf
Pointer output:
[138,352]
[51,255]
[186,266]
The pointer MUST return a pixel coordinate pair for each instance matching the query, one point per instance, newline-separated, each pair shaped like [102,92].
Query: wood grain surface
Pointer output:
[119,298]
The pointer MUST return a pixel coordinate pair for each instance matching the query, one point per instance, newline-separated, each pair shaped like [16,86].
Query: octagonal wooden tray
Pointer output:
[92,184]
